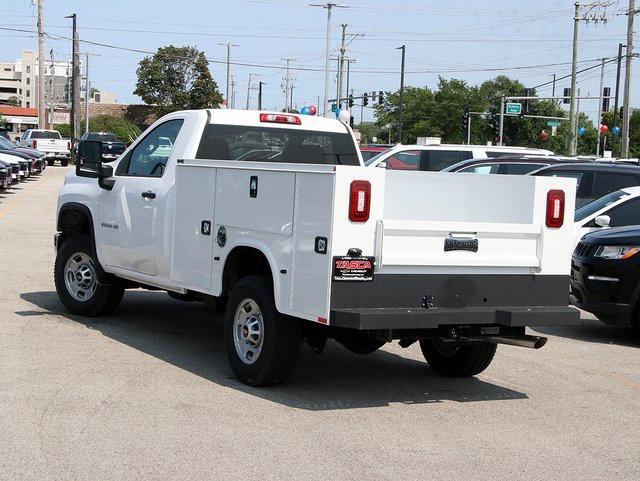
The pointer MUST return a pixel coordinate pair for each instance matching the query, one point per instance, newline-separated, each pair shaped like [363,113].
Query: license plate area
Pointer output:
[347,268]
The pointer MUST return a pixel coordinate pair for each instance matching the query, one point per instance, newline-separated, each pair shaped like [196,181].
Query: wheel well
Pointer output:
[73,222]
[243,261]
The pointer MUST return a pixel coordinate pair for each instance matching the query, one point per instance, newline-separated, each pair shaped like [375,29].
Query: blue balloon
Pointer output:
[337,112]
[582,131]
[305,111]
[615,130]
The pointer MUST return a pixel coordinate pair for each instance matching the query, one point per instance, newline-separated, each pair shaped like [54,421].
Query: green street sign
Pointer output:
[514,108]
[554,123]
[333,107]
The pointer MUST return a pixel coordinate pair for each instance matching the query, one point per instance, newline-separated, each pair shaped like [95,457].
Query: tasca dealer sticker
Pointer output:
[353,268]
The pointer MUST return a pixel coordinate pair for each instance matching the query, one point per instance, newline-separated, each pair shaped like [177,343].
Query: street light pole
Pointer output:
[87,86]
[228,89]
[328,6]
[400,110]
[599,123]
[615,107]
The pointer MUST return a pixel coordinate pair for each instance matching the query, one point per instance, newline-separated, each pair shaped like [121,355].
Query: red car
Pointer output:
[371,150]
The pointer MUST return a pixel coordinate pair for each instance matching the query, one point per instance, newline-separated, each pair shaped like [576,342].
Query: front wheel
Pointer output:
[50,162]
[76,275]
[456,360]
[262,344]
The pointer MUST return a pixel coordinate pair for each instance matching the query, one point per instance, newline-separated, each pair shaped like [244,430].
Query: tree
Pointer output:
[13,101]
[177,78]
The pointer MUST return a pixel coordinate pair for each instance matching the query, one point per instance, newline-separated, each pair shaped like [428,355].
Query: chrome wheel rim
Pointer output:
[80,277]
[248,331]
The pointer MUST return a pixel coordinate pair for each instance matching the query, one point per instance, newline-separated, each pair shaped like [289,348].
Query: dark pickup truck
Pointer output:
[111,146]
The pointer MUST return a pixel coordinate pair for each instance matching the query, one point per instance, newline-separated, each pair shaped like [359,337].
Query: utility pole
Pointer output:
[233,93]
[249,88]
[52,93]
[328,6]
[626,114]
[287,85]
[228,93]
[87,88]
[41,101]
[599,123]
[401,94]
[591,15]
[75,79]
[260,84]
[343,49]
[615,107]
[349,60]
[501,132]
[553,88]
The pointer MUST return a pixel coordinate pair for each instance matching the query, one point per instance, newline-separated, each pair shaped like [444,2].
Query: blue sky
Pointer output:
[458,38]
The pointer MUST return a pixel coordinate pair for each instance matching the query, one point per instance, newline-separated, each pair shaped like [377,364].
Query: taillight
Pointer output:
[69,145]
[359,201]
[555,208]
[280,119]
[34,144]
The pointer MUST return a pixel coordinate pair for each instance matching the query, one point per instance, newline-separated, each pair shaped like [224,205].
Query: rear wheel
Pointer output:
[456,360]
[64,162]
[50,162]
[262,344]
[77,280]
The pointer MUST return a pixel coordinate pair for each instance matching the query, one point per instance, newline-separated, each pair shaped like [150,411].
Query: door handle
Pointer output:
[149,195]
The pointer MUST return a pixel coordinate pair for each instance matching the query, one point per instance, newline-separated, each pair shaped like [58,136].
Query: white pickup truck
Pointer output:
[298,241]
[49,142]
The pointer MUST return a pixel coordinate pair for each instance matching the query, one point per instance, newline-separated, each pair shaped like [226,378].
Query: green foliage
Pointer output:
[439,113]
[120,127]
[64,129]
[3,121]
[13,101]
[177,78]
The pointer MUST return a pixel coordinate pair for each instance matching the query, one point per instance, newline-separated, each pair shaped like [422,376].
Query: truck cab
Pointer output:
[274,218]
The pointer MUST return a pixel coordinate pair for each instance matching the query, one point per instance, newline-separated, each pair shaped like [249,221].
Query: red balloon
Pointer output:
[313,110]
[604,128]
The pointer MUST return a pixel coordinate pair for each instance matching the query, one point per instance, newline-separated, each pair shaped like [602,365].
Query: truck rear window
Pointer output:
[264,144]
[45,135]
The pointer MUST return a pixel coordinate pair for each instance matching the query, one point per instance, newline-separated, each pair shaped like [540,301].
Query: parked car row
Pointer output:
[18,163]
[48,142]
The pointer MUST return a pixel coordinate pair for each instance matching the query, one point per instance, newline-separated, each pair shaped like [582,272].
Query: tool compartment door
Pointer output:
[191,263]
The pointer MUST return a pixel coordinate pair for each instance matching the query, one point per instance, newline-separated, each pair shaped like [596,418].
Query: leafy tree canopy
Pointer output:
[177,78]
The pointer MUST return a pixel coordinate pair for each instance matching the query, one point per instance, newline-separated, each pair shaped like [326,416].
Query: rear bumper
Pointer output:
[420,318]
[427,301]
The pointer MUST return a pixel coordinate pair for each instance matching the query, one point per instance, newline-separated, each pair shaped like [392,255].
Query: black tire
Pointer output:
[64,162]
[280,341]
[50,162]
[457,361]
[105,298]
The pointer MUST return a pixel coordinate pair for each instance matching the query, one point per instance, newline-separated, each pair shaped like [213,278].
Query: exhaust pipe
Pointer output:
[532,342]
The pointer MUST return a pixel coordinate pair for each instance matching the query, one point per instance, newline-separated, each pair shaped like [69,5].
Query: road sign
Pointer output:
[334,107]
[554,123]
[514,108]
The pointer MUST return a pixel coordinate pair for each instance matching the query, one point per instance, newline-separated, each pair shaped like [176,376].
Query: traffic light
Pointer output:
[351,121]
[621,112]
[465,118]
[566,93]
[606,93]
[380,97]
[350,100]
[365,99]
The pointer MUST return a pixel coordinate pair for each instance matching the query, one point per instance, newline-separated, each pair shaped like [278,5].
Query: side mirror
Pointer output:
[602,221]
[383,164]
[89,159]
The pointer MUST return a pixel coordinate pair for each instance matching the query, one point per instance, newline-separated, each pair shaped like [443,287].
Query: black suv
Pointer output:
[595,179]
[605,275]
[111,146]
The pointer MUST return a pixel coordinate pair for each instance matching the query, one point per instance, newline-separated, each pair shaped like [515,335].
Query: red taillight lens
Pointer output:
[34,144]
[280,119]
[359,201]
[555,208]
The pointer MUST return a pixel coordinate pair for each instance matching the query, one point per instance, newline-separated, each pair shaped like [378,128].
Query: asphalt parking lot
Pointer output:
[147,393]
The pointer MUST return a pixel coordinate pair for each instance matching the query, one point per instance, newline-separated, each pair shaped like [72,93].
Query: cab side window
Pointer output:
[408,160]
[481,169]
[149,158]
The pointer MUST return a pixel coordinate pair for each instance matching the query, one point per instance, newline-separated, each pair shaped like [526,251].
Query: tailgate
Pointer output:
[52,145]
[435,219]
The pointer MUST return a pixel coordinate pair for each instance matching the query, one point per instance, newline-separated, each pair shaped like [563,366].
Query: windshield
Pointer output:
[45,134]
[267,144]
[593,207]
[103,137]
[373,159]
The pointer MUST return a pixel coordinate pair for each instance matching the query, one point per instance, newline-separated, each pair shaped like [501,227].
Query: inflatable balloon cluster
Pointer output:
[310,110]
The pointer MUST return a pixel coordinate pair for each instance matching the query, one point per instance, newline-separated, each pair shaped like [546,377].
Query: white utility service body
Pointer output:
[346,246]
